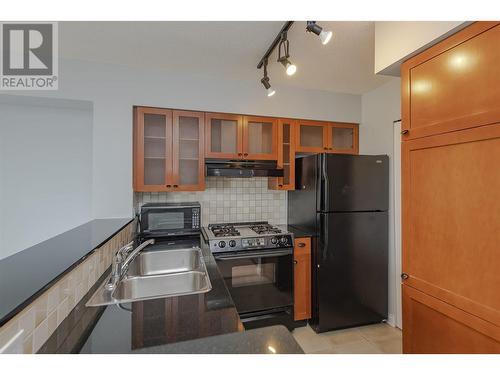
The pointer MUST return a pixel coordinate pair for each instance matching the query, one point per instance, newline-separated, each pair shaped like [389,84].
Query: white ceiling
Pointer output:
[231,50]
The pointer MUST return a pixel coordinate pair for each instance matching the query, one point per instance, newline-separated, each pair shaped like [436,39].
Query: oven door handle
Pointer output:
[255,254]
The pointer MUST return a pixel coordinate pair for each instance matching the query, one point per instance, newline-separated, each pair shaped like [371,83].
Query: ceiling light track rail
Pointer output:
[275,43]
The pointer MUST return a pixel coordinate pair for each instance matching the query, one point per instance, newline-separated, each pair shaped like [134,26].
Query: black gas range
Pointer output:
[256,261]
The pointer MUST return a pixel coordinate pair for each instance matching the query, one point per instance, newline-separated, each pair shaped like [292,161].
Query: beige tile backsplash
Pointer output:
[230,200]
[41,318]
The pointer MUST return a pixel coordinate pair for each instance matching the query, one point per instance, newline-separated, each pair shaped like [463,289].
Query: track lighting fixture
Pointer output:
[324,36]
[265,81]
[284,59]
[281,41]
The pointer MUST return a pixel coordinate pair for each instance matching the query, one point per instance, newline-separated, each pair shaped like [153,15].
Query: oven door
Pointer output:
[258,280]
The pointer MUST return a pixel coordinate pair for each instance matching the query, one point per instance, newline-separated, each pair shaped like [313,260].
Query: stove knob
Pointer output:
[274,240]
[283,240]
[222,244]
[232,243]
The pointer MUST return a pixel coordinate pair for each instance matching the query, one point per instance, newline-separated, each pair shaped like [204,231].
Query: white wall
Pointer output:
[397,41]
[45,169]
[115,89]
[380,107]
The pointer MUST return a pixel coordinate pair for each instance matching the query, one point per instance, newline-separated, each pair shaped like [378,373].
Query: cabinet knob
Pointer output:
[404,276]
[176,186]
[325,148]
[280,185]
[245,154]
[295,262]
[403,132]
[301,244]
[168,185]
[240,154]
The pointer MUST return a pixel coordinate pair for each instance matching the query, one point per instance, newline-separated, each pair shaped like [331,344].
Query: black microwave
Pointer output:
[170,219]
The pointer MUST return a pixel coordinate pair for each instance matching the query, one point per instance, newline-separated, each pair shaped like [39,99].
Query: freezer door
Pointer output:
[354,183]
[351,270]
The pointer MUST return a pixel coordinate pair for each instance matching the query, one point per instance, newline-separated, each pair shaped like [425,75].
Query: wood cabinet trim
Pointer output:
[448,312]
[274,153]
[299,147]
[446,125]
[355,141]
[176,151]
[302,278]
[239,130]
[277,183]
[139,149]
[459,137]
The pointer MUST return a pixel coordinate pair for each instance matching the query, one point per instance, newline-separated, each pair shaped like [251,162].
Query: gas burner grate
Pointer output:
[265,229]
[224,231]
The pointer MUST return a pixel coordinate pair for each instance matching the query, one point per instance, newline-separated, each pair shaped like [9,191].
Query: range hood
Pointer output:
[242,168]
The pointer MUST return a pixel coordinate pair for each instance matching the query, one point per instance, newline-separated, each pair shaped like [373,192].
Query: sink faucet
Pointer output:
[120,265]
[133,254]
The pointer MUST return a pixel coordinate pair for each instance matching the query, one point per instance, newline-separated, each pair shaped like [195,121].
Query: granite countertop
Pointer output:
[26,275]
[267,340]
[135,326]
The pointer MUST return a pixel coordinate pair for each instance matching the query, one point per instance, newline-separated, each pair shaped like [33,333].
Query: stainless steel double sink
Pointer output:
[157,274]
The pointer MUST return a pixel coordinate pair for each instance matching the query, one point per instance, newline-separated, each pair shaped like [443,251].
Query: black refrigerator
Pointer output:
[342,200]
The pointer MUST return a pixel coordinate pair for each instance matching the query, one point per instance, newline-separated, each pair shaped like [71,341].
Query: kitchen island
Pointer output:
[164,325]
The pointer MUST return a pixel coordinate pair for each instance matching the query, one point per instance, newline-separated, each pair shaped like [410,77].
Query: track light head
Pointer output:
[265,81]
[324,36]
[290,68]
[283,58]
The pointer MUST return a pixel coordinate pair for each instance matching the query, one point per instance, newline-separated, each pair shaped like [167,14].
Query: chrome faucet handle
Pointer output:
[125,249]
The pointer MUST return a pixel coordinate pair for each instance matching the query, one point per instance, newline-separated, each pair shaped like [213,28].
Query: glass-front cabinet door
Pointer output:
[223,136]
[286,156]
[343,138]
[152,149]
[188,151]
[260,138]
[311,136]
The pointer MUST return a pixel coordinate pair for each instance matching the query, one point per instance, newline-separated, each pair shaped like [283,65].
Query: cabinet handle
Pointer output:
[403,132]
[301,244]
[176,186]
[168,185]
[295,262]
[404,276]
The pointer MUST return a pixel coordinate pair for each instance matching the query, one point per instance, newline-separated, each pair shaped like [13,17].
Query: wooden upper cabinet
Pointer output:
[152,149]
[311,136]
[454,84]
[260,138]
[188,151]
[329,137]
[302,278]
[286,156]
[223,136]
[343,138]
[168,150]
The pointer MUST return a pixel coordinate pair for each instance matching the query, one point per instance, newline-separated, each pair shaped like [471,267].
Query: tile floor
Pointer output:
[371,339]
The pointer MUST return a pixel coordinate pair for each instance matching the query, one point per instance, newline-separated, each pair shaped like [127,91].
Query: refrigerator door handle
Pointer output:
[324,188]
[324,237]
